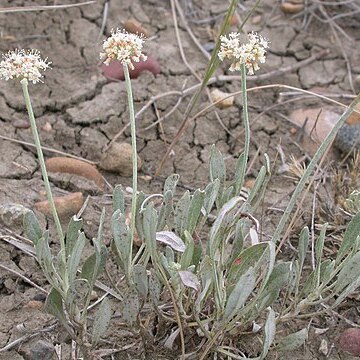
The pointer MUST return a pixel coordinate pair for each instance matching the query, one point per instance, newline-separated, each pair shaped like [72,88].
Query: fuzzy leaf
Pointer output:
[171,183]
[257,189]
[130,307]
[189,279]
[187,256]
[72,234]
[181,213]
[165,211]
[211,194]
[171,239]
[75,256]
[217,166]
[293,341]
[149,227]
[118,199]
[240,294]
[351,233]
[303,245]
[101,320]
[239,174]
[76,296]
[154,287]
[269,333]
[32,227]
[219,226]
[195,207]
[141,280]
[121,236]
[54,306]
[348,274]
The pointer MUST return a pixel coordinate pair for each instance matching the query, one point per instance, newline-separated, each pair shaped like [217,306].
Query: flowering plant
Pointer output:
[23,65]
[122,46]
[250,54]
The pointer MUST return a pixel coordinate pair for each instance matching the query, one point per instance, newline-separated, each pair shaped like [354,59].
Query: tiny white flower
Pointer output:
[23,64]
[250,54]
[123,46]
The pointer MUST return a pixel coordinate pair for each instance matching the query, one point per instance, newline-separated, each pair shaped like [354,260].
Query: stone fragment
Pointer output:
[42,350]
[118,159]
[66,205]
[133,26]
[227,101]
[12,214]
[291,8]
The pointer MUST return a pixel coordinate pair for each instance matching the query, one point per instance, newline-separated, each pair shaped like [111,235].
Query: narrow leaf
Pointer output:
[75,256]
[269,333]
[118,199]
[72,234]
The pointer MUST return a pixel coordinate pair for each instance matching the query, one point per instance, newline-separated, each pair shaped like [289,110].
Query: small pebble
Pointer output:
[256,19]
[217,95]
[47,127]
[21,124]
[33,304]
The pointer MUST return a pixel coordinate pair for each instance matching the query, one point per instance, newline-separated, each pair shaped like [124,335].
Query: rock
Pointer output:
[12,214]
[133,26]
[217,95]
[21,124]
[350,341]
[47,127]
[66,205]
[42,350]
[118,159]
[348,138]
[115,70]
[291,7]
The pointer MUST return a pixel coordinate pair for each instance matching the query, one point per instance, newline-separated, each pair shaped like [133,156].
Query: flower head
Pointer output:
[250,54]
[23,65]
[123,46]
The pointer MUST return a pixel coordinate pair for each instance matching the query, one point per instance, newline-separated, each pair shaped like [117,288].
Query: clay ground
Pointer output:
[79,112]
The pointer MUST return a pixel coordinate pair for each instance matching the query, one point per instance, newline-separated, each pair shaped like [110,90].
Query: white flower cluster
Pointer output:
[23,65]
[250,54]
[123,46]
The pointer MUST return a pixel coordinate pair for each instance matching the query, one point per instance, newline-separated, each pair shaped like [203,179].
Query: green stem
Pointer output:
[24,84]
[134,159]
[245,113]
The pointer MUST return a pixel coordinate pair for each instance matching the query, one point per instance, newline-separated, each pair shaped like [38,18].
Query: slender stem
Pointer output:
[24,84]
[245,113]
[134,159]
